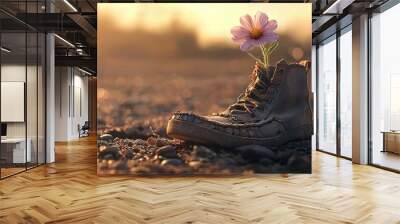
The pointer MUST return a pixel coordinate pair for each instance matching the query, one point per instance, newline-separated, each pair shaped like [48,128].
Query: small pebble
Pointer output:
[167,152]
[138,131]
[106,137]
[152,141]
[121,165]
[202,153]
[195,164]
[140,142]
[129,153]
[171,162]
[162,142]
[110,153]
[102,147]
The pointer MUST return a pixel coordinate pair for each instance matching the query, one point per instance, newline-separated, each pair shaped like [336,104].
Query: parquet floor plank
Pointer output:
[69,191]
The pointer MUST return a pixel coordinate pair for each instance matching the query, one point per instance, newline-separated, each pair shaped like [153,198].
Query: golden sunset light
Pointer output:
[213,28]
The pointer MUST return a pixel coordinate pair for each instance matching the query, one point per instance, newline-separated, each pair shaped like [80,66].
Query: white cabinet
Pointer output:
[16,147]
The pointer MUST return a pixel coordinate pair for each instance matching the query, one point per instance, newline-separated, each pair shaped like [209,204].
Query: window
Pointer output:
[346,93]
[327,95]
[385,89]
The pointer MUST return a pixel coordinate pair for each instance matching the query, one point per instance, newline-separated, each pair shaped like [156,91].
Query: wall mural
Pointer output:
[204,88]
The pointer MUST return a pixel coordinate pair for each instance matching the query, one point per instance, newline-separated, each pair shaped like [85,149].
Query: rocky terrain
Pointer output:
[163,156]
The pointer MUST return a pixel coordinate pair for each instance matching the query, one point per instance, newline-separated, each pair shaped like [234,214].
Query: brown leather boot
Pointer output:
[271,112]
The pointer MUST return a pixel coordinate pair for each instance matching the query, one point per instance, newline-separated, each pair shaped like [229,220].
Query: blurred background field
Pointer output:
[197,85]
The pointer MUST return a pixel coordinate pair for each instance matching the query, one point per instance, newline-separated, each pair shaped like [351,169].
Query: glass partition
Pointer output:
[22,88]
[14,153]
[385,89]
[346,93]
[327,95]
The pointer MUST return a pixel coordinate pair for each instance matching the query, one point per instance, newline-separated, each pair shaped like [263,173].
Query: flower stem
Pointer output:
[255,58]
[264,56]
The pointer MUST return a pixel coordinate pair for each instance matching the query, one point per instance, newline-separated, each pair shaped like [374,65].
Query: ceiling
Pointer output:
[75,22]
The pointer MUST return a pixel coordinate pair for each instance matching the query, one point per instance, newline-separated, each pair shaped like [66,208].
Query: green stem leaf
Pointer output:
[273,47]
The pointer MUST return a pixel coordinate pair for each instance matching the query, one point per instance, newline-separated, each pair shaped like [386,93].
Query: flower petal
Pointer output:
[271,25]
[239,40]
[267,37]
[247,45]
[260,20]
[247,22]
[239,33]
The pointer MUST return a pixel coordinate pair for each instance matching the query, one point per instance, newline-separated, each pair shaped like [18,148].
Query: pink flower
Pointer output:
[255,31]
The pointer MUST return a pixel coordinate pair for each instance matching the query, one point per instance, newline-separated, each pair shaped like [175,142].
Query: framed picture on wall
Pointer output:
[204,89]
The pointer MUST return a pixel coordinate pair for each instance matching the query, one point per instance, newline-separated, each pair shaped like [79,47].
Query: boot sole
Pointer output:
[197,134]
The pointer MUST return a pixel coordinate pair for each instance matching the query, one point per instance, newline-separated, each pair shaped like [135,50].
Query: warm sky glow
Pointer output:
[215,27]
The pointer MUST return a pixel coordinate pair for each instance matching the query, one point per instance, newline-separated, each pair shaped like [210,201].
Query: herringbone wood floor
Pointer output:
[70,192]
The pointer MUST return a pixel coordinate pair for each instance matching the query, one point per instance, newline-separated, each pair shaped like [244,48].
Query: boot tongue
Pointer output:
[262,76]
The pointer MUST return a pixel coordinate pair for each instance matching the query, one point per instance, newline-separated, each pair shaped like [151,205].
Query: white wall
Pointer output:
[62,81]
[80,104]
[71,103]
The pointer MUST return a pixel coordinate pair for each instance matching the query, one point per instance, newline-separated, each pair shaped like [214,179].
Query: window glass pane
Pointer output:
[346,94]
[14,153]
[385,84]
[313,90]
[23,89]
[327,96]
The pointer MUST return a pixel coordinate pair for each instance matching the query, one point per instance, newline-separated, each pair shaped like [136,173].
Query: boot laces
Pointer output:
[257,93]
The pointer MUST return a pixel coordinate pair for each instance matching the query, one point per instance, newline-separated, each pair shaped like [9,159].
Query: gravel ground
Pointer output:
[162,156]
